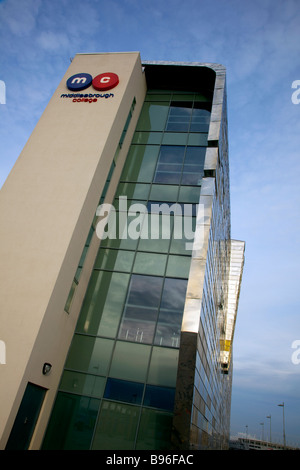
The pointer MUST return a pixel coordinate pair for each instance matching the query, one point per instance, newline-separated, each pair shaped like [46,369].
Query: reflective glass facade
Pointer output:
[118,386]
[122,385]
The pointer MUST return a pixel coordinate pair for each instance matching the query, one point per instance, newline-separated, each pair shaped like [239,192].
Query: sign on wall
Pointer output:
[81,81]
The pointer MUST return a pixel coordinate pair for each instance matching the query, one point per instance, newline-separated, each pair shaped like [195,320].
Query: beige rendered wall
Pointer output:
[47,206]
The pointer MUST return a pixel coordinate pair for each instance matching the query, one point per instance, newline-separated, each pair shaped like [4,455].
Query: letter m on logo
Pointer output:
[79,80]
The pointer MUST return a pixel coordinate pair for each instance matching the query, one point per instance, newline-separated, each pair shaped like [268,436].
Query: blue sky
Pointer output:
[259,43]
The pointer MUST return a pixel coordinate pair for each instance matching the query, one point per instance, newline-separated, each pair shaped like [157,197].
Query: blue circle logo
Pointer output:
[80,81]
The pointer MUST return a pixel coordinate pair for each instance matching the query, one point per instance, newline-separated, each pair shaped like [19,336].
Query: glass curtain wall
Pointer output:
[118,385]
[210,418]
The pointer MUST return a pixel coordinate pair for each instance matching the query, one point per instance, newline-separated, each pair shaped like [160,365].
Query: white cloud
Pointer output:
[20,16]
[52,41]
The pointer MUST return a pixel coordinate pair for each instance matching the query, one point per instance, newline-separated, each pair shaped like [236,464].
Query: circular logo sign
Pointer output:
[105,81]
[80,81]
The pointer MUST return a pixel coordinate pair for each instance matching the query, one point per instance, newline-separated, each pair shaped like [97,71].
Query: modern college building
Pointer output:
[120,280]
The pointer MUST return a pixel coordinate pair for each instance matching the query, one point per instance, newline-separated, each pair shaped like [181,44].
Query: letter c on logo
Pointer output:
[105,81]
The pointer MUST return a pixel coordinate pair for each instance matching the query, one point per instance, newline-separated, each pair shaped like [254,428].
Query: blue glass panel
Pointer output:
[159,397]
[195,155]
[121,390]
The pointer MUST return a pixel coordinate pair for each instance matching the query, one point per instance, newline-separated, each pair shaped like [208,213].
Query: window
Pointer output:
[114,260]
[103,303]
[193,168]
[178,164]
[153,116]
[169,165]
[127,122]
[150,263]
[179,116]
[140,163]
[159,397]
[170,314]
[72,423]
[200,118]
[163,367]
[153,308]
[154,430]
[88,354]
[122,390]
[130,361]
[116,428]
[188,117]
[140,312]
[84,384]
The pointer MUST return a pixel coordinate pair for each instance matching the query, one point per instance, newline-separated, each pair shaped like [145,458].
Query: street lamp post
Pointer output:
[282,404]
[269,417]
[246,434]
[262,437]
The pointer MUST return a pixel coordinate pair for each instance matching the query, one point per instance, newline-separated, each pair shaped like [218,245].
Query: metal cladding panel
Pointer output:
[209,296]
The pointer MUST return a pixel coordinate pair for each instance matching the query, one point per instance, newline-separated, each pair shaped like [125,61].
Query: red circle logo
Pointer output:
[105,81]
